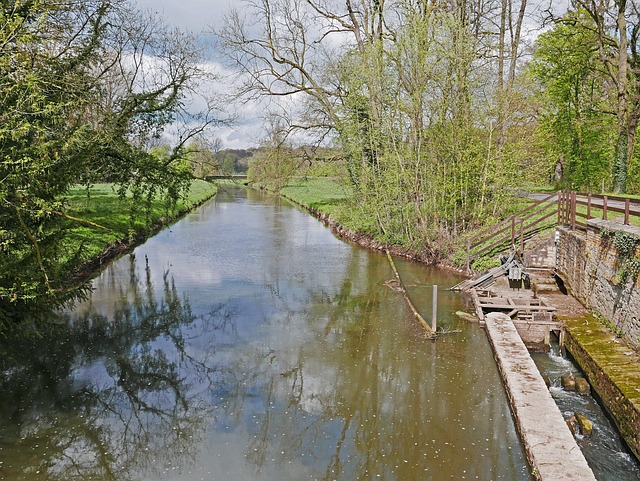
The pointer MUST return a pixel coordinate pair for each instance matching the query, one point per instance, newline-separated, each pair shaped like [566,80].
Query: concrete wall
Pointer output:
[589,267]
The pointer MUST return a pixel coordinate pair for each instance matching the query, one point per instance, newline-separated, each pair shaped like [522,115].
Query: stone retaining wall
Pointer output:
[590,266]
[611,375]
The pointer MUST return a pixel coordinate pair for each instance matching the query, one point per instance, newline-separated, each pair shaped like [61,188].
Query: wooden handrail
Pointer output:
[566,213]
[569,201]
[499,224]
[516,225]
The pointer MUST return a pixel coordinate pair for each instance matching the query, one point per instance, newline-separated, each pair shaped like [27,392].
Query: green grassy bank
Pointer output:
[331,198]
[99,219]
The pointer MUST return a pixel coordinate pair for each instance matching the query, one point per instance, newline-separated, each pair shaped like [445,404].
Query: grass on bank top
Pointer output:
[330,196]
[101,205]
[321,193]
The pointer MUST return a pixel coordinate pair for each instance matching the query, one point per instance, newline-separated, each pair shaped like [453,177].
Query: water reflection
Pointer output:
[106,397]
[248,343]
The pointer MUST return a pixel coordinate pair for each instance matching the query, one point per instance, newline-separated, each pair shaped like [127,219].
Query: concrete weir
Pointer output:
[551,449]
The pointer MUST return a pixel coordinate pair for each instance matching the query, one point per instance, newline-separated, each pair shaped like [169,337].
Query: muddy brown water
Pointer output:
[246,342]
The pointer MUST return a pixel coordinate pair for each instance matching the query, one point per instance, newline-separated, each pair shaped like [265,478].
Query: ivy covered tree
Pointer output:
[578,130]
[84,88]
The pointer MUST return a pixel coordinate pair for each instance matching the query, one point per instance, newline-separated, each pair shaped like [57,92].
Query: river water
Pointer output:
[246,342]
[604,450]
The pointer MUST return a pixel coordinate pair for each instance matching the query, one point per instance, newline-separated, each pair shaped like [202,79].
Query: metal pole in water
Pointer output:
[434,311]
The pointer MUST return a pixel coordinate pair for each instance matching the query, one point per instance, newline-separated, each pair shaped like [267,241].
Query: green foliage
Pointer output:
[74,108]
[576,134]
[629,270]
[485,263]
[100,204]
[275,162]
[423,166]
[331,197]
[626,246]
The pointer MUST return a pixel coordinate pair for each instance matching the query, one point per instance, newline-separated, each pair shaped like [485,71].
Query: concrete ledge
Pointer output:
[551,449]
[613,371]
[612,225]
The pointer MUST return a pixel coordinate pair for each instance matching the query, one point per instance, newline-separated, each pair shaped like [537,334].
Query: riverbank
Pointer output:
[329,201]
[103,226]
[593,357]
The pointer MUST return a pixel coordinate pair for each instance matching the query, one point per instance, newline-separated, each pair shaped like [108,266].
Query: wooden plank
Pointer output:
[520,308]
[429,331]
[476,303]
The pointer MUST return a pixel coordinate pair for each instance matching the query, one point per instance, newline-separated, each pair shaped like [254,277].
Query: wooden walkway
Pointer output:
[531,315]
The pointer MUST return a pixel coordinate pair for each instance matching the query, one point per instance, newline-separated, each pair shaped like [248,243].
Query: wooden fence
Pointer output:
[567,208]
[514,231]
[574,209]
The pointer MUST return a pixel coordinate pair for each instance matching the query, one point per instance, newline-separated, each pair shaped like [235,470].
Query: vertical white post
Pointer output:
[434,310]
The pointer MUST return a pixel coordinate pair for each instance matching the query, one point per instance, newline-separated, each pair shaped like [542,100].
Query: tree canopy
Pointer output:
[441,108]
[85,87]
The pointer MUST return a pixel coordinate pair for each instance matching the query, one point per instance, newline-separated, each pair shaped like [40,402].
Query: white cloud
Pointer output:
[194,15]
[199,17]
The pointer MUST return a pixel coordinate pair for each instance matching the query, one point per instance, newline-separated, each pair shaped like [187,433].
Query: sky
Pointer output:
[200,17]
[194,15]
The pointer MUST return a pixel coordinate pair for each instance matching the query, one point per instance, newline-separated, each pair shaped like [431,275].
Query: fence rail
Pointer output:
[567,208]
[514,230]
[574,209]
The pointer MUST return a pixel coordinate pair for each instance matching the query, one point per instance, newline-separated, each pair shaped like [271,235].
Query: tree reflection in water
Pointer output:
[354,396]
[108,397]
[290,360]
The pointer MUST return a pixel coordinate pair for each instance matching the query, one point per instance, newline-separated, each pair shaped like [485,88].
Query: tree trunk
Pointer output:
[515,43]
[621,164]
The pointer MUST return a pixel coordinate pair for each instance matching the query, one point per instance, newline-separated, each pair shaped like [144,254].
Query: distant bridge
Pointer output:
[209,178]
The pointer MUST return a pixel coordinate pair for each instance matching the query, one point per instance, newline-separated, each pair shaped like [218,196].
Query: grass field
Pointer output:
[321,193]
[99,218]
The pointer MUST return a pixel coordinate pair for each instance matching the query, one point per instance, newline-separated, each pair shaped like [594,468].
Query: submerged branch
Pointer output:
[430,333]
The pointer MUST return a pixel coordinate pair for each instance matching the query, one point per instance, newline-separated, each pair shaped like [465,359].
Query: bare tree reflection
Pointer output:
[111,397]
[361,397]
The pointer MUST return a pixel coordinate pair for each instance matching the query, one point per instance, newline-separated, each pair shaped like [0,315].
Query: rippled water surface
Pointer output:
[248,343]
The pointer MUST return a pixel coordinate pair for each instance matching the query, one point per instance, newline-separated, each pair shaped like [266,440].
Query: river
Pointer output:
[246,342]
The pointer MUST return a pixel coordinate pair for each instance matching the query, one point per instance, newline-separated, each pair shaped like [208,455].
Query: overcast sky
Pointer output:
[195,15]
[200,16]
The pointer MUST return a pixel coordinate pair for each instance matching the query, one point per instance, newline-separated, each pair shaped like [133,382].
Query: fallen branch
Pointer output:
[430,333]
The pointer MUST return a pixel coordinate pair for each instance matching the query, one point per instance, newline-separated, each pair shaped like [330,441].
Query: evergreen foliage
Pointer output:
[84,87]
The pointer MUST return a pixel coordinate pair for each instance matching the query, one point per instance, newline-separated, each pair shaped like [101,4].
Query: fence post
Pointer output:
[560,207]
[522,235]
[588,206]
[434,308]
[468,255]
[573,210]
[513,230]
[626,211]
[604,208]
